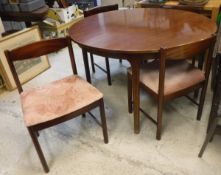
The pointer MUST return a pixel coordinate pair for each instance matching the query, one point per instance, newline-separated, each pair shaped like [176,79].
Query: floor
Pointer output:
[77,147]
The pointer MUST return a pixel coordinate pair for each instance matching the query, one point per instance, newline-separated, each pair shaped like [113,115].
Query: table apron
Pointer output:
[120,55]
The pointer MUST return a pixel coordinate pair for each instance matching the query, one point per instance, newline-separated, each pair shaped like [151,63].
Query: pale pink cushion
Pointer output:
[179,75]
[57,99]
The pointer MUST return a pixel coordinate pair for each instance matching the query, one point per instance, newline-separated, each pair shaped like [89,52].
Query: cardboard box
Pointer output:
[64,14]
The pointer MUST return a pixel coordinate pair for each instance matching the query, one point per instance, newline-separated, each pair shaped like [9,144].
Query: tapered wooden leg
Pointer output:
[214,107]
[38,149]
[92,62]
[193,61]
[200,66]
[196,94]
[216,97]
[201,61]
[201,102]
[209,136]
[135,65]
[108,71]
[103,121]
[37,133]
[129,91]
[159,119]
[83,115]
[86,65]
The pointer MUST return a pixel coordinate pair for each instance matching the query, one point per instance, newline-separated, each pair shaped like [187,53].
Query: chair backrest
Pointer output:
[35,50]
[100,9]
[187,51]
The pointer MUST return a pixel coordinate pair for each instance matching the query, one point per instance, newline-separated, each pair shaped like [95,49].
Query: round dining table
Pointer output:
[138,34]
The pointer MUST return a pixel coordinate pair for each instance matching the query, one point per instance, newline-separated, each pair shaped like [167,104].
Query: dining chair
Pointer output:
[93,11]
[217,56]
[195,9]
[57,101]
[214,121]
[172,76]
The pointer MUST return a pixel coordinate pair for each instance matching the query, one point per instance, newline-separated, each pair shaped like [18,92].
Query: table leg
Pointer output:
[135,65]
[86,65]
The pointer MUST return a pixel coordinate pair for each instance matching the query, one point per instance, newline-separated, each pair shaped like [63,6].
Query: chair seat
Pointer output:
[57,99]
[179,75]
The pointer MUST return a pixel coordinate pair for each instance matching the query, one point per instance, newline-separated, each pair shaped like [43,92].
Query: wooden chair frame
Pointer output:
[177,53]
[42,48]
[93,11]
[213,126]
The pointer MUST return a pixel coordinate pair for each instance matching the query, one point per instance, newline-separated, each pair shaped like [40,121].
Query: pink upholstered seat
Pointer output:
[57,99]
[179,75]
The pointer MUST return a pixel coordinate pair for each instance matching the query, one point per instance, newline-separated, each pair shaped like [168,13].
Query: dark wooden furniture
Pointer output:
[195,9]
[62,3]
[210,9]
[58,101]
[214,117]
[136,34]
[94,11]
[172,76]
[27,17]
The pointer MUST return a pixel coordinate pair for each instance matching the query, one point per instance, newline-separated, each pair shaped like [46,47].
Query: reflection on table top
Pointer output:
[141,30]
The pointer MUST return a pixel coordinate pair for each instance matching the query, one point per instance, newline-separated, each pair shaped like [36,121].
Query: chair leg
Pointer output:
[208,137]
[159,119]
[201,61]
[38,149]
[196,94]
[129,91]
[215,64]
[201,103]
[92,62]
[103,121]
[193,61]
[200,66]
[108,71]
[83,115]
[37,133]
[120,60]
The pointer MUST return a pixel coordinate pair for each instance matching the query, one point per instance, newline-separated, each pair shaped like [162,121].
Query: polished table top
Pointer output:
[141,30]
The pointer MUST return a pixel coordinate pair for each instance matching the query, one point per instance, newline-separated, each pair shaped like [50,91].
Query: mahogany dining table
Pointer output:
[138,34]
